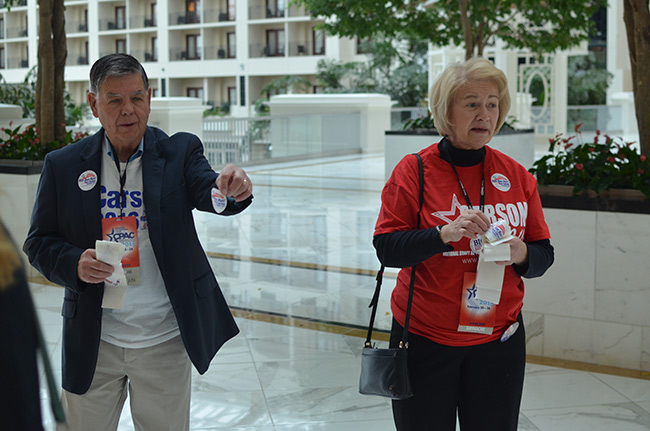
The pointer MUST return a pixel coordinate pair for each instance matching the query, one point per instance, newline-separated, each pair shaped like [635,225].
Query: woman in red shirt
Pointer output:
[466,354]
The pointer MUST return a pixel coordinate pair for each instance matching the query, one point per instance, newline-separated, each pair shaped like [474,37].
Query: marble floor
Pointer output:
[297,268]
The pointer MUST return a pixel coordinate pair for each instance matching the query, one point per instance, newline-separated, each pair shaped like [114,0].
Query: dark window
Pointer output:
[274,43]
[193,43]
[154,14]
[120,17]
[274,8]
[154,49]
[242,91]
[232,95]
[192,11]
[362,46]
[196,92]
[319,41]
[232,44]
[120,46]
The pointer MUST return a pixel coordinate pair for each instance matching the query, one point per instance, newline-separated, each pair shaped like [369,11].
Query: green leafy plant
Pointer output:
[606,163]
[420,122]
[17,144]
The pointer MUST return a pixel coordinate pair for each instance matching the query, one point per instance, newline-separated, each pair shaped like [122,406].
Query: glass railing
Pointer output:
[595,117]
[276,138]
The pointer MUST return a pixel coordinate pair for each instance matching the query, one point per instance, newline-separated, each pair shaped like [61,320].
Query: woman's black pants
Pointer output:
[482,384]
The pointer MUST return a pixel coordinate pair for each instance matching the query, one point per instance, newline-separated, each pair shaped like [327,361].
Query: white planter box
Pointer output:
[592,304]
[520,145]
[18,184]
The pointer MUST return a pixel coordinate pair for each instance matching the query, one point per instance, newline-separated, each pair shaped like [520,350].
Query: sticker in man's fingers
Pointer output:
[87,180]
[219,201]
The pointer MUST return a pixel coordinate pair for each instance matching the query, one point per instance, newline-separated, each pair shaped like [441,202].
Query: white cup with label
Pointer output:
[498,232]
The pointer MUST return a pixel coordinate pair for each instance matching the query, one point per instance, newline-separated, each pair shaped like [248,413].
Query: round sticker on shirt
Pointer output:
[500,182]
[219,201]
[87,180]
[476,244]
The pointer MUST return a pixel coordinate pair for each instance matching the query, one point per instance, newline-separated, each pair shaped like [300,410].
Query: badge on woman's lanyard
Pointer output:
[125,231]
[476,315]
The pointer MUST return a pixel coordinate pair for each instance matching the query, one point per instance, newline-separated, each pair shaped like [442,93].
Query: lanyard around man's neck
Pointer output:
[122,175]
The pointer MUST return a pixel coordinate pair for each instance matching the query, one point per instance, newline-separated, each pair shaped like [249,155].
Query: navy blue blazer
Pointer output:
[67,220]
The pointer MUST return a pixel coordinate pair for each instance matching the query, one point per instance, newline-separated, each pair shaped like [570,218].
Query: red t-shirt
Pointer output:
[510,193]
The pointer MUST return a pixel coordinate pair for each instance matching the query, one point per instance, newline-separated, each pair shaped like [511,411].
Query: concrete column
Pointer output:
[177,114]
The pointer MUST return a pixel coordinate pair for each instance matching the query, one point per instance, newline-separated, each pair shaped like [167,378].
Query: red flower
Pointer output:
[597,132]
[591,149]
[580,166]
[567,146]
[611,159]
[577,127]
[641,171]
[643,157]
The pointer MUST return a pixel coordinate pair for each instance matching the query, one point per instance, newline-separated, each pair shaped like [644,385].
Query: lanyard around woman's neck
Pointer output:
[443,147]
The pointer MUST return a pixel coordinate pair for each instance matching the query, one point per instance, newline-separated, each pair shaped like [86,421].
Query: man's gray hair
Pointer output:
[115,65]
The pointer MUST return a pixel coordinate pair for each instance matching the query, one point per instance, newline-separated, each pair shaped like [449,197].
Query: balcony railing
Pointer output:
[262,12]
[144,55]
[17,63]
[260,50]
[141,21]
[16,32]
[75,27]
[178,54]
[217,15]
[184,18]
[303,48]
[111,24]
[73,60]
[216,53]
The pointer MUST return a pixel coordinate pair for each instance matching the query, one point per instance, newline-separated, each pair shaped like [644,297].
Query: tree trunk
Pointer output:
[60,55]
[468,32]
[45,78]
[636,14]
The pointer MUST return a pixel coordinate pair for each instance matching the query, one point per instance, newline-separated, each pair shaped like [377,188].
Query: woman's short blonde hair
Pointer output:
[443,91]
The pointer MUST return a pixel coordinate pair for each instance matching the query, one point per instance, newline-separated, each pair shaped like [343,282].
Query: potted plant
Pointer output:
[605,174]
[22,152]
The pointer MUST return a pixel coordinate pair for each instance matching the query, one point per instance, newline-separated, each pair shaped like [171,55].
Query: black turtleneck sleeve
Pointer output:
[403,249]
[541,256]
[407,248]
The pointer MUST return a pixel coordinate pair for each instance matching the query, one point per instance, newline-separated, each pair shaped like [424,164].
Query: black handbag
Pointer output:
[384,372]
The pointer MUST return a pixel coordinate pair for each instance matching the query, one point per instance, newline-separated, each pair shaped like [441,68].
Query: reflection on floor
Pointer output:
[297,267]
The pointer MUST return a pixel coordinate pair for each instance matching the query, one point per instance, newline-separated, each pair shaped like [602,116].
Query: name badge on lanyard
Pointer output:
[125,231]
[476,315]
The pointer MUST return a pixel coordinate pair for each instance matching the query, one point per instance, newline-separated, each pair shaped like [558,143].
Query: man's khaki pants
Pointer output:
[158,382]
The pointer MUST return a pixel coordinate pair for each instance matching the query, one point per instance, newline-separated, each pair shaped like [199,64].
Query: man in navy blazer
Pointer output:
[173,312]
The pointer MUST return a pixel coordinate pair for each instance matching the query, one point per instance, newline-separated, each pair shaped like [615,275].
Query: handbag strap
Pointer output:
[374,302]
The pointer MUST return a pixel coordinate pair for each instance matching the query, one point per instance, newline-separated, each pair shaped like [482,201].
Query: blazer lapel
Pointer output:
[91,160]
[153,166]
